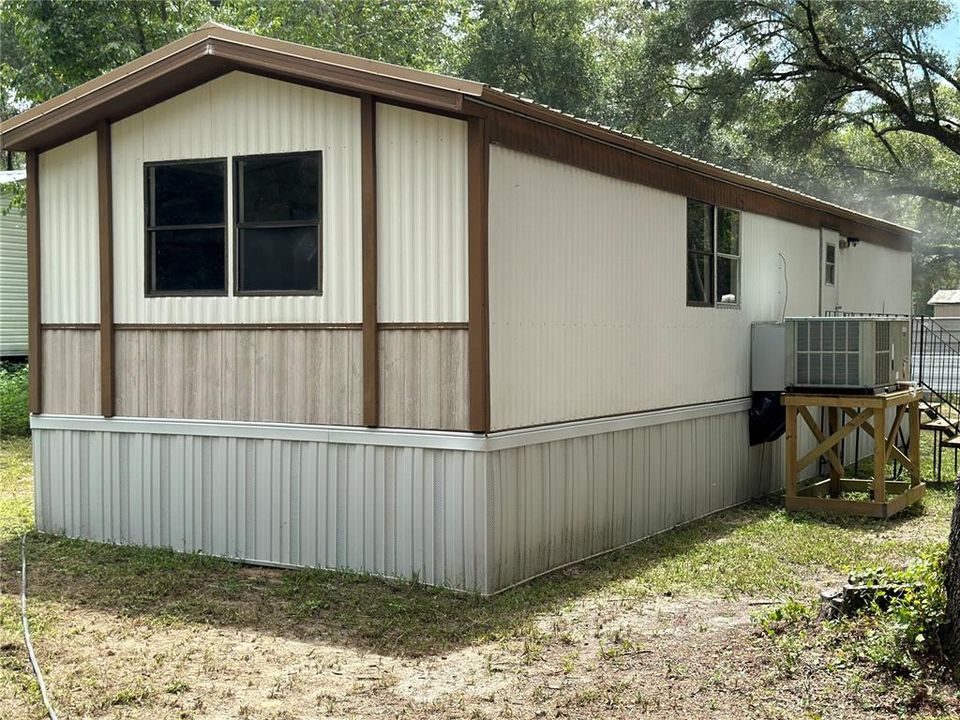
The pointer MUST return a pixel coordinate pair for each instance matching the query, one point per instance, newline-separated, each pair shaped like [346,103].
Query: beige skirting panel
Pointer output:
[296,376]
[397,511]
[423,378]
[71,371]
[559,502]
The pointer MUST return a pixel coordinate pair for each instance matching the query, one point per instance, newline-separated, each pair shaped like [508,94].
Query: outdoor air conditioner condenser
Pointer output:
[855,354]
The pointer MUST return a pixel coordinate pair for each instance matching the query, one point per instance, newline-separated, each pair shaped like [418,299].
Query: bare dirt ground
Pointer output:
[690,657]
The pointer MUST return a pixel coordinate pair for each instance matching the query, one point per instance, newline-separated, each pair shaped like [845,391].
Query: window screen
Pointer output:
[713,255]
[699,253]
[830,264]
[186,230]
[278,224]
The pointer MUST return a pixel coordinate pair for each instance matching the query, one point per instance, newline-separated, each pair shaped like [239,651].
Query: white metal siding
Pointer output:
[69,226]
[588,312]
[13,279]
[241,114]
[560,502]
[422,216]
[404,512]
[873,278]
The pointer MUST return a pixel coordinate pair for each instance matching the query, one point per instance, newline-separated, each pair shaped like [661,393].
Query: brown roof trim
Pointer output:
[211,51]
[214,50]
[594,131]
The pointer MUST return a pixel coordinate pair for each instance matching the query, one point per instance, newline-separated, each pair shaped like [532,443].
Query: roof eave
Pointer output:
[206,54]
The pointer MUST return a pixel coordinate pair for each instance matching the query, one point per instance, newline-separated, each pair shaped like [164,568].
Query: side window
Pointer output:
[830,264]
[728,257]
[278,243]
[185,208]
[713,255]
[699,253]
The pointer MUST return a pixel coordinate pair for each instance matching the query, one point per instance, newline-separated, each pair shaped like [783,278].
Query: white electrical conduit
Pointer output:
[26,629]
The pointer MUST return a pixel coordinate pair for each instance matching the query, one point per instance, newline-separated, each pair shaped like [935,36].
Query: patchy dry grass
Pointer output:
[662,629]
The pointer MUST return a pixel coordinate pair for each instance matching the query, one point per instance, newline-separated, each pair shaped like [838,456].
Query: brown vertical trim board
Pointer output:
[105,212]
[35,341]
[368,179]
[478,154]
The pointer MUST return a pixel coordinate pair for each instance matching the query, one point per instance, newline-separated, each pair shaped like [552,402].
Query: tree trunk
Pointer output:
[952,583]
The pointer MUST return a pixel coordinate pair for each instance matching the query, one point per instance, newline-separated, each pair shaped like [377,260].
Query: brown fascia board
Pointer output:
[890,233]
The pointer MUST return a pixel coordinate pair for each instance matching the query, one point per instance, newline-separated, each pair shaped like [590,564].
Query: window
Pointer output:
[277,201]
[186,251]
[830,264]
[713,255]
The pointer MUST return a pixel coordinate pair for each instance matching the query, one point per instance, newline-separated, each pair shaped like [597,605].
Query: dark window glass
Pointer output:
[728,280]
[279,259]
[280,187]
[699,252]
[186,230]
[699,226]
[831,254]
[699,278]
[187,194]
[188,260]
[278,223]
[728,231]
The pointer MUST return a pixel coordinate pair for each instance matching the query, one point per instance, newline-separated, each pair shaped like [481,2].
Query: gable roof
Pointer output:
[214,50]
[945,297]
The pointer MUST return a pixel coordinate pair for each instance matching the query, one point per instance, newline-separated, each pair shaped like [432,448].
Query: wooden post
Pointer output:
[791,451]
[833,426]
[915,442]
[879,456]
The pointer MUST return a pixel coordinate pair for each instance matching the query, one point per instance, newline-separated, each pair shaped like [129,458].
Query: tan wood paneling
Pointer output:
[423,379]
[71,372]
[296,376]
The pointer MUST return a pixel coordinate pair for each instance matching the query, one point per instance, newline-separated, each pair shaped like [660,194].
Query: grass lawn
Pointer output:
[667,628]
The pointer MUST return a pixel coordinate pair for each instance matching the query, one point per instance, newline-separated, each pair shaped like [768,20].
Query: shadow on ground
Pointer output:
[387,617]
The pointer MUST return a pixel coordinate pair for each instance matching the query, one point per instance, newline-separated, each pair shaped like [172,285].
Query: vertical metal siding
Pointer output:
[240,114]
[559,502]
[588,312]
[71,371]
[69,241]
[422,216]
[872,278]
[403,512]
[13,279]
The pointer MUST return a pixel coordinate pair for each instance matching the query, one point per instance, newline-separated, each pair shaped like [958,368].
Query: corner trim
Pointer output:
[105,211]
[34,338]
[385,437]
[368,180]
[478,357]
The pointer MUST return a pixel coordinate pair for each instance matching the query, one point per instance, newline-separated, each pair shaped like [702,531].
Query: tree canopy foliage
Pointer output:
[848,100]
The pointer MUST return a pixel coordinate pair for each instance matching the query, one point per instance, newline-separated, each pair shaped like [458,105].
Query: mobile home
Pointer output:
[13,268]
[306,309]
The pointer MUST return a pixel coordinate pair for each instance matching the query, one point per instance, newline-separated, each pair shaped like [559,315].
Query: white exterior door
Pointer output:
[829,270]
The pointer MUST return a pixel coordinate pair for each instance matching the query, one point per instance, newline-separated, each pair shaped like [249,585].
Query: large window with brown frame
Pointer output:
[185,207]
[278,239]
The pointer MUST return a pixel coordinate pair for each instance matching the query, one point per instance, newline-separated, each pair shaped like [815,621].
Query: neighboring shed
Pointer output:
[301,308]
[13,269]
[946,303]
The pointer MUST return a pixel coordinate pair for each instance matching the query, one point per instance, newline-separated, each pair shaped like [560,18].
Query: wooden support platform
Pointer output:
[858,413]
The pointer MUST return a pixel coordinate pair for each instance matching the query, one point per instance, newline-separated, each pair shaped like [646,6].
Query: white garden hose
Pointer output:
[26,629]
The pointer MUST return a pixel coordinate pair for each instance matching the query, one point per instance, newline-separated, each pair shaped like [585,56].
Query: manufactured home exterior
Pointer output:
[491,340]
[13,269]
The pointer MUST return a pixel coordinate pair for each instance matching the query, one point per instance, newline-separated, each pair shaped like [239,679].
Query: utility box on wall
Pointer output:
[768,357]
